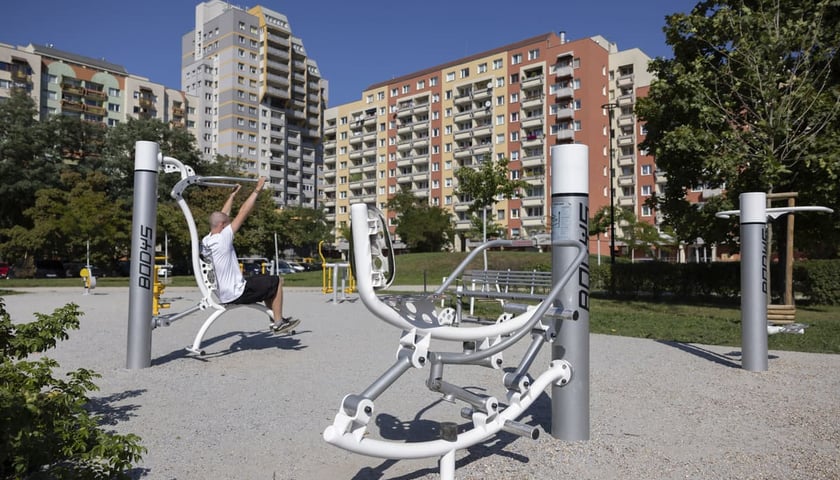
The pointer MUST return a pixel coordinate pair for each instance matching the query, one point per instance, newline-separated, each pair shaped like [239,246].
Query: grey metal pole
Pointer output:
[754,281]
[143,231]
[570,221]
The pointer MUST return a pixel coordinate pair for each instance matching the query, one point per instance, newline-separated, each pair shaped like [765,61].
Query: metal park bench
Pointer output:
[503,285]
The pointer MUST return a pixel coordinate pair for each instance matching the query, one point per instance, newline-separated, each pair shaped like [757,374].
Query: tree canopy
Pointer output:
[749,102]
[422,227]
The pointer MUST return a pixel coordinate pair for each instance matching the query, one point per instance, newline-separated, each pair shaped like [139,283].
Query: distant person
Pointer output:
[231,286]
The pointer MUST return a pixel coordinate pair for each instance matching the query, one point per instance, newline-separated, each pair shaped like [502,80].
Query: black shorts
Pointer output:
[258,288]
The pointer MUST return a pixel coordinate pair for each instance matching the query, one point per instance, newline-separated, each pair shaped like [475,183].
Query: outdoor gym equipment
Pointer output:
[560,319]
[142,317]
[754,277]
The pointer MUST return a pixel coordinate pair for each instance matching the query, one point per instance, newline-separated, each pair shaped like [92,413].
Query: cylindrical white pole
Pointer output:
[143,229]
[570,221]
[754,281]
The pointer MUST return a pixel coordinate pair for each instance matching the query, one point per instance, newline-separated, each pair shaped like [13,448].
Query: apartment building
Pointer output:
[260,96]
[95,90]
[513,102]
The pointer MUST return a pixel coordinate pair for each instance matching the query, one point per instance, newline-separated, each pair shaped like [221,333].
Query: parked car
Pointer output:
[49,269]
[284,268]
[5,270]
[295,265]
[252,268]
[312,266]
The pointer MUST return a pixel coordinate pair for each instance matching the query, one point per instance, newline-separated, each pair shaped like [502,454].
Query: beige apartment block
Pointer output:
[94,90]
[513,102]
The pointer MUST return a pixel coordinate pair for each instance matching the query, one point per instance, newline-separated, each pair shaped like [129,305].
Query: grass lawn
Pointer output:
[702,323]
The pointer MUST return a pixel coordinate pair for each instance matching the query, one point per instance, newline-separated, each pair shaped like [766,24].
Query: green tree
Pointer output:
[487,184]
[422,227]
[302,228]
[25,166]
[45,429]
[749,102]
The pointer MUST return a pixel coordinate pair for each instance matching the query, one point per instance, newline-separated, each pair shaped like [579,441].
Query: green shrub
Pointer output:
[818,280]
[45,431]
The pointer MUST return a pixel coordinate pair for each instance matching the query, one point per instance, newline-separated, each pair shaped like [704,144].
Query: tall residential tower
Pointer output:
[260,97]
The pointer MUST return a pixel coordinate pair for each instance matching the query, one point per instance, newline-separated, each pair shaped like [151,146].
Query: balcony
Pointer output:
[625,121]
[97,95]
[625,100]
[463,134]
[532,221]
[463,99]
[532,101]
[565,114]
[463,153]
[530,122]
[482,131]
[72,106]
[532,141]
[626,180]
[95,110]
[277,80]
[626,201]
[661,177]
[72,88]
[532,81]
[625,140]
[625,81]
[355,155]
[563,72]
[533,161]
[533,201]
[565,134]
[462,116]
[566,92]
[626,160]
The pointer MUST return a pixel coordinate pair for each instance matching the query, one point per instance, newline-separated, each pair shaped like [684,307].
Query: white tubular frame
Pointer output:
[203,271]
[488,415]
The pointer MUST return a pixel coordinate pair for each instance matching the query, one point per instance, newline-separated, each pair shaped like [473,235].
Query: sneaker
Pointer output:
[286,325]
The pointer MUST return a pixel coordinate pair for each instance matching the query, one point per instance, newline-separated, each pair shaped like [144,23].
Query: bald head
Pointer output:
[218,220]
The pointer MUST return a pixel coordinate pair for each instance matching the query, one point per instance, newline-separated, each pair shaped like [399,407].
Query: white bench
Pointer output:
[502,285]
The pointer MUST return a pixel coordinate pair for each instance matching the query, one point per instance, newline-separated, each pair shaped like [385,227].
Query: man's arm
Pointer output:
[229,202]
[246,207]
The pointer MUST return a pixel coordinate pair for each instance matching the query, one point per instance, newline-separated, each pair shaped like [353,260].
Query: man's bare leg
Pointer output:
[276,303]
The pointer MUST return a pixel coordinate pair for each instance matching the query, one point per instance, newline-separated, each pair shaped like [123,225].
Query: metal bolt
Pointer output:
[422,360]
[368,410]
[494,406]
[498,361]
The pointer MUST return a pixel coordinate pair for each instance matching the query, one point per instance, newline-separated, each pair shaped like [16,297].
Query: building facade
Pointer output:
[260,97]
[513,102]
[64,83]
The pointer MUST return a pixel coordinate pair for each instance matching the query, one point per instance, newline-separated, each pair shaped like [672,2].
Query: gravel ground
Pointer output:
[255,406]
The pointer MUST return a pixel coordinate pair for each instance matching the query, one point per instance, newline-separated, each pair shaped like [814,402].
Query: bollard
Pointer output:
[143,228]
[569,221]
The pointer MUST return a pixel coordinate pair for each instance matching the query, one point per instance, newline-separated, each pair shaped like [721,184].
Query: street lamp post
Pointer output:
[610,107]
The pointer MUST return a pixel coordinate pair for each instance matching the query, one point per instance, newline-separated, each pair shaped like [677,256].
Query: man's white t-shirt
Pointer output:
[218,247]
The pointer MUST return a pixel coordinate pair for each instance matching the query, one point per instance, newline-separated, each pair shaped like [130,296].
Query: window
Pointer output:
[482,68]
[465,72]
[646,169]
[450,76]
[516,59]
[406,88]
[646,212]
[646,190]
[577,125]
[514,213]
[534,54]
[514,78]
[421,84]
[433,81]
[394,92]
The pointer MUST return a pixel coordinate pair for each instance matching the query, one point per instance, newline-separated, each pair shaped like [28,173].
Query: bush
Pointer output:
[818,280]
[45,431]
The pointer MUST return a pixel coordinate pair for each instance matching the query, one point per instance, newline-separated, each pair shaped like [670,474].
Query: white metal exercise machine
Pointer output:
[561,319]
[148,162]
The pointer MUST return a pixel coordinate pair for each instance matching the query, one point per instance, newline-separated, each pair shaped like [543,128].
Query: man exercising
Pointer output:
[231,286]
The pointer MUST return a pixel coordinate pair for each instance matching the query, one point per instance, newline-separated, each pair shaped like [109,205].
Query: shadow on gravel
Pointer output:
[109,414]
[243,341]
[703,353]
[423,430]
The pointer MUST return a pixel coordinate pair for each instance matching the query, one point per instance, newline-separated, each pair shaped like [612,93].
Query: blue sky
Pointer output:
[356,43]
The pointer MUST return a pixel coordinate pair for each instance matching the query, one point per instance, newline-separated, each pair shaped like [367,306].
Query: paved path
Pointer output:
[255,406]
